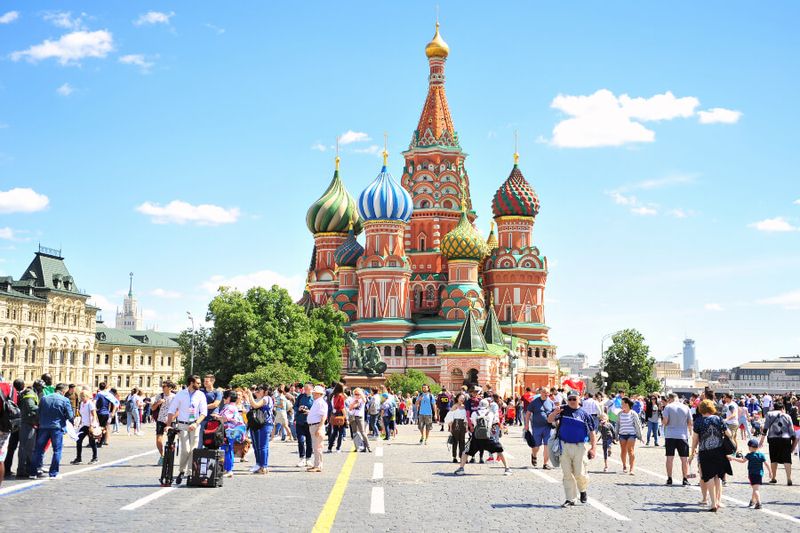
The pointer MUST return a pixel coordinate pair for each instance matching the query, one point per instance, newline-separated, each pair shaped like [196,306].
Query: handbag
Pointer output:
[256,418]
[728,446]
[338,419]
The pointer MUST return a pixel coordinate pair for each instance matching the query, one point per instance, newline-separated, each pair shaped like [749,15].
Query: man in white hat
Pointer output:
[317,416]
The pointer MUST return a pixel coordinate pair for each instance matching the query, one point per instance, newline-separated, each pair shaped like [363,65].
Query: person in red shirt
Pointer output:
[338,418]
[527,398]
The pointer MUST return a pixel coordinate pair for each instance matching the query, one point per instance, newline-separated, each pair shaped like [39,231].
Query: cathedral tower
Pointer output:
[130,317]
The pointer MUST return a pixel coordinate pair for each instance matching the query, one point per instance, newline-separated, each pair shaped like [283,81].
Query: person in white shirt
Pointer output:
[766,404]
[456,422]
[592,408]
[317,416]
[731,413]
[355,413]
[89,420]
[188,409]
[481,437]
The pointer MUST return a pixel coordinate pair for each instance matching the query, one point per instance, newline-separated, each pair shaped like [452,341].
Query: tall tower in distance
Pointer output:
[689,359]
[130,317]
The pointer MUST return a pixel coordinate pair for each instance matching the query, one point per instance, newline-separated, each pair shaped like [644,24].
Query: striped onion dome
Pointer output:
[464,242]
[334,211]
[347,254]
[385,199]
[515,197]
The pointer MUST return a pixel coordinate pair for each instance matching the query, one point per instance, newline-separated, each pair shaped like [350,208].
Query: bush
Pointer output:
[412,380]
[271,374]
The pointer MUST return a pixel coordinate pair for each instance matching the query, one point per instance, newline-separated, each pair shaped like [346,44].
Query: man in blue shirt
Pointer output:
[302,405]
[575,429]
[54,412]
[425,406]
[213,401]
[537,428]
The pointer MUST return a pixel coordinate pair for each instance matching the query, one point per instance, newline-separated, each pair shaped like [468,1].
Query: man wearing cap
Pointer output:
[575,429]
[317,416]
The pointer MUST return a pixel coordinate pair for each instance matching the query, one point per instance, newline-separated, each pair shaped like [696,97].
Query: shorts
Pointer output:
[780,451]
[425,422]
[755,480]
[483,445]
[679,445]
[541,435]
[627,437]
[103,419]
[4,438]
[161,427]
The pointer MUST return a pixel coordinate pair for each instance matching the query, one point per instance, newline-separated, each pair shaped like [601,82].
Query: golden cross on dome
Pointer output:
[516,153]
[385,151]
[337,153]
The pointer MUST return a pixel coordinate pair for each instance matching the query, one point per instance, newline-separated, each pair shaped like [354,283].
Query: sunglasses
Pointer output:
[572,399]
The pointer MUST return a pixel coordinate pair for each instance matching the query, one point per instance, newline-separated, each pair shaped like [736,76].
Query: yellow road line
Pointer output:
[328,514]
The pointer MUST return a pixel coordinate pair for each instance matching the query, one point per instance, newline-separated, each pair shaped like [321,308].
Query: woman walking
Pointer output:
[338,418]
[89,427]
[261,400]
[629,430]
[652,413]
[709,431]
[355,410]
[133,405]
[456,421]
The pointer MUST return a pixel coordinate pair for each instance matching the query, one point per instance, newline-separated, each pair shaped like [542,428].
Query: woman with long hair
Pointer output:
[456,421]
[629,430]
[338,418]
[262,399]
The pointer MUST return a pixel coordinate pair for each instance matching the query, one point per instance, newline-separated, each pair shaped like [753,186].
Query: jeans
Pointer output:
[56,436]
[261,444]
[228,449]
[13,442]
[652,428]
[388,425]
[27,441]
[303,440]
[372,422]
[84,432]
[292,425]
[357,428]
[336,435]
[132,417]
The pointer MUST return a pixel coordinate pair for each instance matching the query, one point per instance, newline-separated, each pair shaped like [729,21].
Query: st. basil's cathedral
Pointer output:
[425,287]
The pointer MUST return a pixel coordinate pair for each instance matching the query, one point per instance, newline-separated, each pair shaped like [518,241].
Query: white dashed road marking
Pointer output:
[594,503]
[376,503]
[379,451]
[377,471]
[147,499]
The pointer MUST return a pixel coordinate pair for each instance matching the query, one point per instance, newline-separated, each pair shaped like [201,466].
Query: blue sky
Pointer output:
[659,139]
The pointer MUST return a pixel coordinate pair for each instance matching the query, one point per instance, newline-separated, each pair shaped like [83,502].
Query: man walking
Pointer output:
[537,428]
[575,429]
[317,417]
[677,420]
[302,406]
[29,420]
[160,406]
[425,405]
[54,412]
[189,409]
[106,403]
[443,403]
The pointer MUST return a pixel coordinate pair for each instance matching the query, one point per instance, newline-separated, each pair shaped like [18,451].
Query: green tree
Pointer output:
[410,381]
[327,324]
[620,386]
[628,359]
[270,374]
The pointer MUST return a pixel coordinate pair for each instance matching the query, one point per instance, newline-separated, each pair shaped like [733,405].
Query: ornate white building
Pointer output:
[130,317]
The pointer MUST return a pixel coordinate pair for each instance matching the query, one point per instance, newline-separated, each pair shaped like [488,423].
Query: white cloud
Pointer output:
[7,234]
[64,19]
[713,307]
[371,149]
[70,48]
[263,278]
[644,211]
[774,225]
[796,202]
[319,147]
[65,90]
[153,17]
[217,29]
[178,212]
[622,199]
[678,213]
[719,115]
[603,119]
[107,308]
[22,200]
[788,300]
[667,181]
[351,136]
[165,293]
[138,60]
[8,18]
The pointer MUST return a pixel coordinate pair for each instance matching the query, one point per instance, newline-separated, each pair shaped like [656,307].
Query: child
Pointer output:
[756,423]
[756,463]
[609,436]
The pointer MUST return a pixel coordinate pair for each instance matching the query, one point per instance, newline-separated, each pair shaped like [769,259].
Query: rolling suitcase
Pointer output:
[207,468]
[167,467]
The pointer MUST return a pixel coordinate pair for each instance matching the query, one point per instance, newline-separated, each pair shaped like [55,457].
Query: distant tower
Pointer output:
[689,359]
[130,317]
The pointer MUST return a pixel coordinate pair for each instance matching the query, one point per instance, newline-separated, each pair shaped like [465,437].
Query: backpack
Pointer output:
[130,404]
[214,434]
[256,418]
[481,429]
[10,416]
[374,405]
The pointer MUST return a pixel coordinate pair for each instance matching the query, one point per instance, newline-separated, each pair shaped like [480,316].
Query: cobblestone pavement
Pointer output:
[401,486]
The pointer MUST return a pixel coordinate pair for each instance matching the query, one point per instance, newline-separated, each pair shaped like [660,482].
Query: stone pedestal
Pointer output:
[365,382]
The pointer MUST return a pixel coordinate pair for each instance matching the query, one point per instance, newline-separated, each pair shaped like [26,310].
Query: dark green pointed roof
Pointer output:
[470,338]
[491,329]
[48,271]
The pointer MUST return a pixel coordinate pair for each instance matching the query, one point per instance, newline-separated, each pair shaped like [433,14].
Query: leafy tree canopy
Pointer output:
[327,323]
[271,374]
[410,381]
[628,359]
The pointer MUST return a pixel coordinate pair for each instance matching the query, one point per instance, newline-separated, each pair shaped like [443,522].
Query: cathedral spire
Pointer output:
[130,287]
[435,125]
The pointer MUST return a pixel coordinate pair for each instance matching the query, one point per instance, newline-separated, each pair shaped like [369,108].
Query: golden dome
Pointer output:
[437,47]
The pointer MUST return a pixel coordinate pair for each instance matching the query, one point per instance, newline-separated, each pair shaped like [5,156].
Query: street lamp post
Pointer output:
[191,362]
[603,355]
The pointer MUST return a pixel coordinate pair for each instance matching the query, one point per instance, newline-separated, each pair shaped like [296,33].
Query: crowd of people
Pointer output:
[568,427]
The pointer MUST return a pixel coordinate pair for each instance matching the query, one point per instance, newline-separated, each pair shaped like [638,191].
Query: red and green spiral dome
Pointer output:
[515,197]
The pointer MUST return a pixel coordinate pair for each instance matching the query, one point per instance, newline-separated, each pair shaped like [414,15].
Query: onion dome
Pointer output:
[437,47]
[515,197]
[347,254]
[464,242]
[491,242]
[385,199]
[335,210]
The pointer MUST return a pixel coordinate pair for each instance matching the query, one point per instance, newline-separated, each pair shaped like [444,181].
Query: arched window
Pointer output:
[11,351]
[424,204]
[398,351]
[422,242]
[447,204]
[5,350]
[472,376]
[33,351]
[431,349]
[537,352]
[418,296]
[530,352]
[544,353]
[387,351]
[419,350]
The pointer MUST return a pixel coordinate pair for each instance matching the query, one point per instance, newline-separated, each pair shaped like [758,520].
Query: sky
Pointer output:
[185,141]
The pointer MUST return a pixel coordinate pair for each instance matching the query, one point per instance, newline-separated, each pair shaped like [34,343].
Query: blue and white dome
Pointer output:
[385,199]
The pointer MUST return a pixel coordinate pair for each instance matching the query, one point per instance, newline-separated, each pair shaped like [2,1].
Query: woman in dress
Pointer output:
[709,431]
[456,421]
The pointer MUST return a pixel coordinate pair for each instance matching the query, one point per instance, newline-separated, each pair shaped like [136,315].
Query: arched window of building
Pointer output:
[418,296]
[398,351]
[431,349]
[472,376]
[5,350]
[422,243]
[530,352]
[447,204]
[424,204]
[419,350]
[33,351]
[26,351]
[544,353]
[429,293]
[11,350]
[537,352]
[387,351]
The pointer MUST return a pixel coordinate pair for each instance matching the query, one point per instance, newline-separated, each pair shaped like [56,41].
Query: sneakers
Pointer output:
[686,483]
[750,504]
[160,461]
[455,460]
[93,461]
[76,462]
[57,477]
[459,472]
[179,479]
[546,467]
[568,503]
[669,481]
[507,472]
[421,440]
[490,459]
[255,469]
[584,497]
[426,442]
[302,463]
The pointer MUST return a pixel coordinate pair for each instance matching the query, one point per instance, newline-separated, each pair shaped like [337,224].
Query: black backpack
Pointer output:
[10,416]
[481,429]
